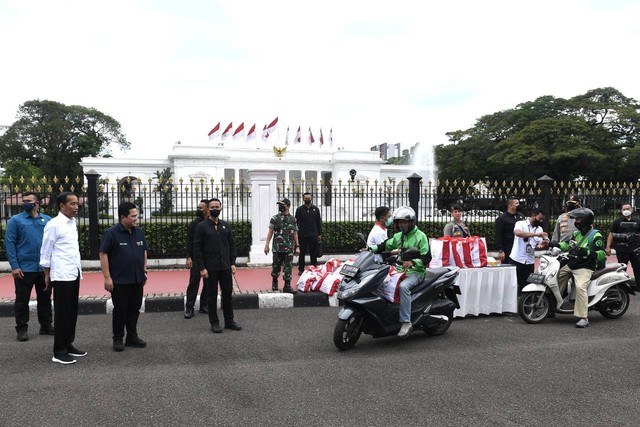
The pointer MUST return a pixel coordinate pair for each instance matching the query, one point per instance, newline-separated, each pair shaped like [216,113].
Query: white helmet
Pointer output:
[405,213]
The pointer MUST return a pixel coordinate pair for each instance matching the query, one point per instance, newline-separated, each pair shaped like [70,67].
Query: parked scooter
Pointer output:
[608,290]
[433,300]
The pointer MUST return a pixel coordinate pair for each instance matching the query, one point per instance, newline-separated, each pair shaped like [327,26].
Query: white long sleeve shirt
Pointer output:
[60,251]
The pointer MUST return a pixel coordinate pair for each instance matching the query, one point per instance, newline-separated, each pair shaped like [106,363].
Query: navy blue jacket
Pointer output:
[126,254]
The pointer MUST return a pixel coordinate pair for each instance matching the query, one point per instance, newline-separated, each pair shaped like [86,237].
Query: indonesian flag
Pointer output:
[252,133]
[270,129]
[227,131]
[331,137]
[298,136]
[239,133]
[286,138]
[311,139]
[321,138]
[215,132]
[265,135]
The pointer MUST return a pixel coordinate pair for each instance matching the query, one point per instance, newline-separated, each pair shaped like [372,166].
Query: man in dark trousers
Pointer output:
[123,259]
[23,239]
[504,230]
[626,253]
[194,274]
[215,257]
[60,259]
[309,231]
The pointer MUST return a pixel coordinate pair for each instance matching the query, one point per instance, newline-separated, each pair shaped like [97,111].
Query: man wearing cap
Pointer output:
[284,230]
[565,225]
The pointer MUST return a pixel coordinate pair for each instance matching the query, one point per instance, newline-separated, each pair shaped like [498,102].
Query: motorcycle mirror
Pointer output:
[361,240]
[410,254]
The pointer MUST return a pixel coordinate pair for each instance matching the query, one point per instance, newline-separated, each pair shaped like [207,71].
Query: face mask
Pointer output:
[307,202]
[199,214]
[389,222]
[215,213]
[537,223]
[28,207]
[404,228]
[281,208]
[581,227]
[626,213]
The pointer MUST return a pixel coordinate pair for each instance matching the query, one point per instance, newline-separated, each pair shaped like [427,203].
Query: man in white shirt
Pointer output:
[529,236]
[378,233]
[60,258]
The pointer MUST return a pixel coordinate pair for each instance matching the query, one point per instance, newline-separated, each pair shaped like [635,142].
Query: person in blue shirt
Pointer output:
[123,259]
[23,239]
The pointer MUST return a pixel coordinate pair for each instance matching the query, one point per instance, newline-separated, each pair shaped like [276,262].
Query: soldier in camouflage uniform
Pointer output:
[284,231]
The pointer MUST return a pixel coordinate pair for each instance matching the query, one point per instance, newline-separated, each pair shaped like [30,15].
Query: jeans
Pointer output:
[127,300]
[23,294]
[405,296]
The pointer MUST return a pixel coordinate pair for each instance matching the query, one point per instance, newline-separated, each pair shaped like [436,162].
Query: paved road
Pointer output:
[283,369]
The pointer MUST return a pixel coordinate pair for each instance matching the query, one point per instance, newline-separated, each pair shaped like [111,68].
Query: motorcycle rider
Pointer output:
[407,236]
[589,256]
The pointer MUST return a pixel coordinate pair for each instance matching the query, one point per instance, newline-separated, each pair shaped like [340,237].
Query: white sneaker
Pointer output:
[582,323]
[405,330]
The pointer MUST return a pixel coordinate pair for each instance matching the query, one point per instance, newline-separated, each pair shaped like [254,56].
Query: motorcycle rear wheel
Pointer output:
[439,329]
[533,307]
[618,295]
[347,332]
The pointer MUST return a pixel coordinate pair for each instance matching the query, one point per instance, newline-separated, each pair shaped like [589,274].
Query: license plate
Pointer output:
[535,278]
[349,270]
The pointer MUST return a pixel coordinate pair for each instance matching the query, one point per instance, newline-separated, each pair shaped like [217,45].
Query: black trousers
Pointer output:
[23,295]
[127,300]
[522,272]
[222,277]
[192,289]
[307,245]
[626,257]
[65,307]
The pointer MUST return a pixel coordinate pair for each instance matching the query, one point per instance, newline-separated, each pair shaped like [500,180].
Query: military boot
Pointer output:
[287,287]
[274,284]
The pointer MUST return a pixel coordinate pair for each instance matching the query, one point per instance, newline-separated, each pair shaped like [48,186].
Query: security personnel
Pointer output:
[194,274]
[285,245]
[626,251]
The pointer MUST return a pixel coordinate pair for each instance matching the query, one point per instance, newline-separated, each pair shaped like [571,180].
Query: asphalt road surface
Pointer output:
[283,369]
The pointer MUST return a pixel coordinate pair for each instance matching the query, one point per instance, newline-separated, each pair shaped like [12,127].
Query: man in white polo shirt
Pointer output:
[60,258]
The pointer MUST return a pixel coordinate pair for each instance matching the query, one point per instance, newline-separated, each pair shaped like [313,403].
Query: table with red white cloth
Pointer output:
[487,290]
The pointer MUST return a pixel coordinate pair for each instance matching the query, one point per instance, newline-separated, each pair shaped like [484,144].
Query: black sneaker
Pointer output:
[216,328]
[22,336]
[47,330]
[135,342]
[65,359]
[75,352]
[118,345]
[188,314]
[233,326]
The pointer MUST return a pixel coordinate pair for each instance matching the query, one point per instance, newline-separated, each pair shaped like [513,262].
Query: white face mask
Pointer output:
[626,213]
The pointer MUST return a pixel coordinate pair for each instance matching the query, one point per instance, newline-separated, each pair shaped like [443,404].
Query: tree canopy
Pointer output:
[54,137]
[595,135]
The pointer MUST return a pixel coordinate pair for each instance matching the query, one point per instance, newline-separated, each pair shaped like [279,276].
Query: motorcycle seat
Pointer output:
[607,269]
[430,276]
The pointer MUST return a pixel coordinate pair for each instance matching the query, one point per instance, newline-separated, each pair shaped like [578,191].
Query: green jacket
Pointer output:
[594,243]
[414,239]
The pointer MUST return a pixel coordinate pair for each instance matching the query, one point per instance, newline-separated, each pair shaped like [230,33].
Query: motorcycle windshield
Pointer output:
[365,261]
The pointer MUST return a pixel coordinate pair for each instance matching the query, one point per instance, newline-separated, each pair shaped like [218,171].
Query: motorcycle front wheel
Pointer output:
[533,307]
[347,332]
[614,303]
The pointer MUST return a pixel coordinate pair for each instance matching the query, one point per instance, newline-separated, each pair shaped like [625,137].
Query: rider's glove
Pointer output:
[582,252]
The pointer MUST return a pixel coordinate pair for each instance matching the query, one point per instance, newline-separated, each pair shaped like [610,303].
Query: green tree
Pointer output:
[21,169]
[55,137]
[165,188]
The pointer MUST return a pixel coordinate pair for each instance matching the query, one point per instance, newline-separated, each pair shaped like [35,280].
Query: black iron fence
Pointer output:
[347,206]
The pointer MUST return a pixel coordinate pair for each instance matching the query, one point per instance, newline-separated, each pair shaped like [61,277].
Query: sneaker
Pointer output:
[216,328]
[75,352]
[405,330]
[65,359]
[135,342]
[22,336]
[118,345]
[47,330]
[233,326]
[582,323]
[188,314]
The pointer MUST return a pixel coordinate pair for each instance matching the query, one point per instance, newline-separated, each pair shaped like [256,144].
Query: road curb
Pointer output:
[163,303]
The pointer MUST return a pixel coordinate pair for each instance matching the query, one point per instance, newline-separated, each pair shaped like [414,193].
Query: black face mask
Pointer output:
[537,223]
[282,208]
[215,213]
[307,202]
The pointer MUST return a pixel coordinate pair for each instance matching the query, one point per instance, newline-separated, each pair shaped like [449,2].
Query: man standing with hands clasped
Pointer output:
[123,259]
[309,231]
[283,229]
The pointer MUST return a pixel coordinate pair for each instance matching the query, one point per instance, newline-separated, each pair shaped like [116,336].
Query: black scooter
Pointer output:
[433,300]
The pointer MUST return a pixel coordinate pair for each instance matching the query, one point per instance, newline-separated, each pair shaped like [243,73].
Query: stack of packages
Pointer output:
[463,252]
[389,288]
[324,279]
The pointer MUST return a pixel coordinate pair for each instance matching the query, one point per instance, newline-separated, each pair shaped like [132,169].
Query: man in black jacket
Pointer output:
[215,257]
[504,230]
[309,231]
[194,274]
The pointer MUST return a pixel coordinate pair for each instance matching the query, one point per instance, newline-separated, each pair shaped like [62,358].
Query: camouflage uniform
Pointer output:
[283,247]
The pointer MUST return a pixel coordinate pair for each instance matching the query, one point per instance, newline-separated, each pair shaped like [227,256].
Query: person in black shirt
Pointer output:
[123,259]
[626,224]
[504,230]
[309,231]
[194,274]
[215,257]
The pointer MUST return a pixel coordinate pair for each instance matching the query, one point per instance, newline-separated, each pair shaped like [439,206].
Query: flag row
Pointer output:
[267,131]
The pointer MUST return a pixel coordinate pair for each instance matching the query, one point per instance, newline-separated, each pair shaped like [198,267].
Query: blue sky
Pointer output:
[373,71]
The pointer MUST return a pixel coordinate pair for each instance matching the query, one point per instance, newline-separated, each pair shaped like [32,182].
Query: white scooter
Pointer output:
[608,291]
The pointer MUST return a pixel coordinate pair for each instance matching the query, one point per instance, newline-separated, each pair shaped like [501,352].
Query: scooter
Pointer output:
[608,291]
[365,311]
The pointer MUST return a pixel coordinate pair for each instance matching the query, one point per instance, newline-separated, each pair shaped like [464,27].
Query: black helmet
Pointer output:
[586,218]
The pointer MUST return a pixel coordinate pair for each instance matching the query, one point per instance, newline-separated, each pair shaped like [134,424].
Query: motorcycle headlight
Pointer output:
[348,293]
